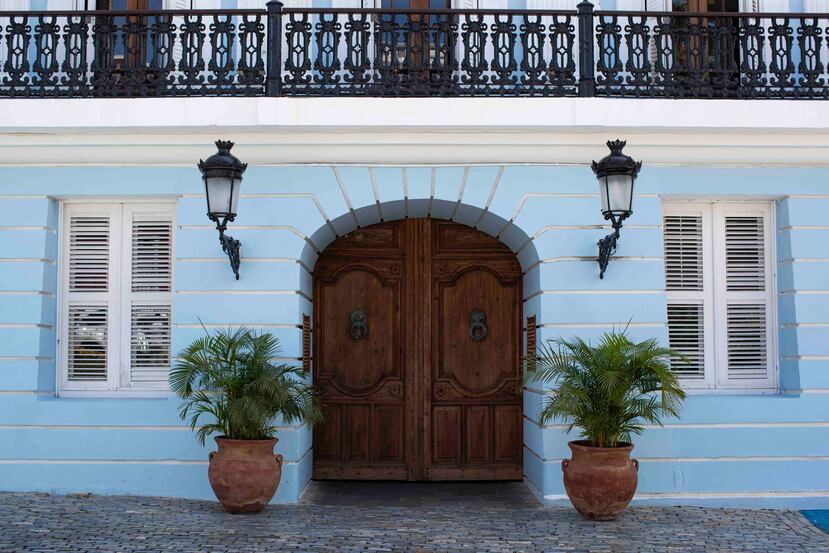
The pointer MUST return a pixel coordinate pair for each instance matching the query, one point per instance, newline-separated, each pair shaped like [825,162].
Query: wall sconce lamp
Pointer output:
[222,175]
[616,174]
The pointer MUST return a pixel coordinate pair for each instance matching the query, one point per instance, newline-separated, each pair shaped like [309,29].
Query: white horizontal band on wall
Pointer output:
[548,228]
[803,227]
[746,459]
[239,292]
[597,292]
[246,227]
[291,326]
[122,427]
[247,259]
[23,197]
[602,325]
[714,495]
[47,229]
[696,426]
[8,461]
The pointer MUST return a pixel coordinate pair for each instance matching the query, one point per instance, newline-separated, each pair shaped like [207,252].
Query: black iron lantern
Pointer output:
[616,174]
[222,175]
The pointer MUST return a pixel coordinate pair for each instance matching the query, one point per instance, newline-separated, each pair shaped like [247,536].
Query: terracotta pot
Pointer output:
[244,474]
[600,481]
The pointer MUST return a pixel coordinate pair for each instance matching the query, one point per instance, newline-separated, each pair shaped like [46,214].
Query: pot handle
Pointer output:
[636,464]
[564,463]
[210,456]
[279,458]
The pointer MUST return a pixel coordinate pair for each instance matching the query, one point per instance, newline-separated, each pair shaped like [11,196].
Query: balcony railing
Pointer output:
[377,52]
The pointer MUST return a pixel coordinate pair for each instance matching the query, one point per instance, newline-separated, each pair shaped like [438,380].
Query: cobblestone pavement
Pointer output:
[43,523]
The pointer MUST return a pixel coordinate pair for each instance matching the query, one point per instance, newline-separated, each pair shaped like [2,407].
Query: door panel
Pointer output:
[475,331]
[359,353]
[359,366]
[446,446]
[478,423]
[508,444]
[476,340]
[417,347]
[389,431]
[328,436]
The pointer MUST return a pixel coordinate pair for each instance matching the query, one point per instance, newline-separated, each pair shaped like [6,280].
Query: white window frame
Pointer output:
[714,292]
[120,256]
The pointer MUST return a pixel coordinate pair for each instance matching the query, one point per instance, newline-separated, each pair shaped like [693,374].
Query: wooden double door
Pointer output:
[417,345]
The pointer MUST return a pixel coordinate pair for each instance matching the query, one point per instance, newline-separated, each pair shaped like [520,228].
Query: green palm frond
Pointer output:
[608,390]
[232,386]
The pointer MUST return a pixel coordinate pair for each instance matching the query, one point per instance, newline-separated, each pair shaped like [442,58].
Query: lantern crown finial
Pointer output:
[223,160]
[616,162]
[224,146]
[616,146]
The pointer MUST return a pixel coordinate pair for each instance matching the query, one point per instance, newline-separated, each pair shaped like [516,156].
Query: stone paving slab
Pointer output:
[43,523]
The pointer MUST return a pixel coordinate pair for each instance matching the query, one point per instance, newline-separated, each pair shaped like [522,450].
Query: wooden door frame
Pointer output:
[417,325]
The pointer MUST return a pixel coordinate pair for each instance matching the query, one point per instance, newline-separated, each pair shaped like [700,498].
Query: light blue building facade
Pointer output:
[726,257]
[762,448]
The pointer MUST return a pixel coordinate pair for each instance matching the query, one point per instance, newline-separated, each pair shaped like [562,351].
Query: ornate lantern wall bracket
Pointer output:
[616,174]
[222,174]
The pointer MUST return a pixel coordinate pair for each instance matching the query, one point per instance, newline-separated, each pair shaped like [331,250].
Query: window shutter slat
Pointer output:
[744,253]
[89,242]
[151,254]
[683,252]
[747,341]
[149,344]
[686,335]
[87,335]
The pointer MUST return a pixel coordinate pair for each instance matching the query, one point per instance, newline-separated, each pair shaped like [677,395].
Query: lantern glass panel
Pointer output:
[219,195]
[603,193]
[234,197]
[618,195]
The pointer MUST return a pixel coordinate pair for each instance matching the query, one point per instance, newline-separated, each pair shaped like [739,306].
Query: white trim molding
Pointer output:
[412,131]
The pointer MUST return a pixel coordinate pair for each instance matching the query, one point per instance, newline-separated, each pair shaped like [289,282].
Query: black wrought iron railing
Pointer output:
[379,52]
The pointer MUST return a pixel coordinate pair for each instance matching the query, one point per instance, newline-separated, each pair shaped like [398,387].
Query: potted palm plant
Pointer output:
[608,391]
[231,387]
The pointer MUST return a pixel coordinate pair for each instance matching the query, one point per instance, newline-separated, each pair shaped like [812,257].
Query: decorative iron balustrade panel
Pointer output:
[411,53]
[436,53]
[699,55]
[121,54]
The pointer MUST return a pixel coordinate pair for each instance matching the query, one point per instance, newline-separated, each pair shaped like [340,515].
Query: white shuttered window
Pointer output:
[719,286]
[116,296]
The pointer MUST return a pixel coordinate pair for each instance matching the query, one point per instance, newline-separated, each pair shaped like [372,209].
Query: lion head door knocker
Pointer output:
[359,324]
[477,325]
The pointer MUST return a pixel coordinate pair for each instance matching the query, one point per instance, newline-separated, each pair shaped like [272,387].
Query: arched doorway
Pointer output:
[417,346]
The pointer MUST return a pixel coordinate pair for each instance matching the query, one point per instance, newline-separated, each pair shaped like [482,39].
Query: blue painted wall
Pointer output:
[735,449]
